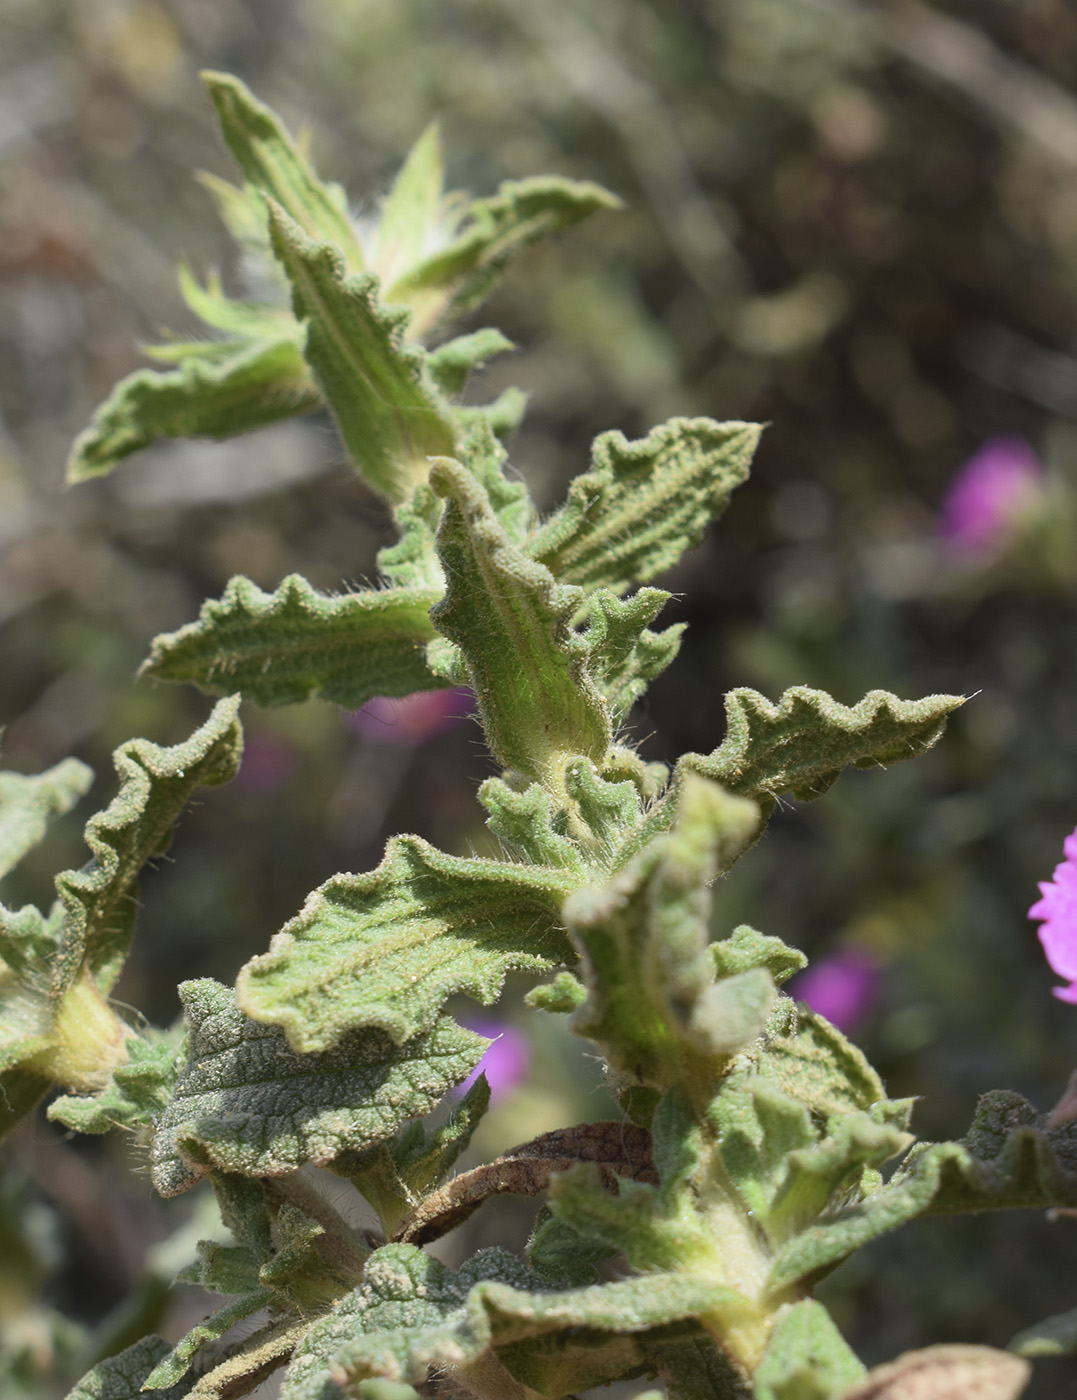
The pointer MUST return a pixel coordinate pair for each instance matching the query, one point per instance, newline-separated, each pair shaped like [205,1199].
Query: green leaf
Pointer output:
[122,1377]
[746,949]
[807,1358]
[412,1314]
[486,460]
[390,421]
[247,1103]
[624,655]
[270,162]
[459,276]
[512,622]
[283,647]
[1054,1336]
[137,1093]
[801,744]
[452,364]
[412,209]
[250,320]
[211,395]
[155,785]
[413,561]
[388,948]
[28,803]
[532,823]
[653,1005]
[643,504]
[1010,1159]
[177,1363]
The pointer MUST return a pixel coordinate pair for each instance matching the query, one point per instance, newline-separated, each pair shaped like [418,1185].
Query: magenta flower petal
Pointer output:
[988,496]
[506,1062]
[1057,912]
[843,987]
[412,718]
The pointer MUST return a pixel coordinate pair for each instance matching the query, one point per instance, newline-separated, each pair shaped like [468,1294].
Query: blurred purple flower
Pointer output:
[988,496]
[1058,912]
[411,719]
[506,1062]
[269,760]
[842,987]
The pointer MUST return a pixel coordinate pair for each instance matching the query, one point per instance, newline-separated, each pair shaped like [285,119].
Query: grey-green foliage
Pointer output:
[770,1136]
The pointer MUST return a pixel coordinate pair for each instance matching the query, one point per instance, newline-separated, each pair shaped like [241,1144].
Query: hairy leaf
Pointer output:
[270,162]
[644,503]
[745,949]
[458,277]
[512,622]
[391,422]
[247,1103]
[177,1363]
[28,803]
[215,393]
[807,1358]
[283,647]
[122,1377]
[137,1093]
[452,364]
[1010,1159]
[624,654]
[412,562]
[388,948]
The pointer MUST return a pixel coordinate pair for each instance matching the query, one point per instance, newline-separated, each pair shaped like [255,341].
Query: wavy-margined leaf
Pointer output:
[388,948]
[460,275]
[653,1004]
[389,419]
[247,1103]
[412,1314]
[644,503]
[624,654]
[270,162]
[29,802]
[213,394]
[452,364]
[807,1358]
[412,562]
[282,647]
[122,1377]
[512,622]
[1010,1159]
[137,1093]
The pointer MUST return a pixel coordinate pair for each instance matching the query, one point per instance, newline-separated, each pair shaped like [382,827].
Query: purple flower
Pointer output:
[269,760]
[842,987]
[989,495]
[412,718]
[1058,912]
[506,1062]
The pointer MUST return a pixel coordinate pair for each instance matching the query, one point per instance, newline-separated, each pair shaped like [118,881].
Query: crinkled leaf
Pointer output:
[216,393]
[644,503]
[29,802]
[412,1314]
[391,422]
[137,1092]
[458,277]
[1009,1159]
[155,785]
[283,647]
[502,416]
[624,654]
[946,1372]
[412,562]
[745,949]
[653,1004]
[389,948]
[807,1358]
[486,460]
[452,364]
[271,163]
[512,622]
[122,1377]
[177,1363]
[246,1102]
[532,823]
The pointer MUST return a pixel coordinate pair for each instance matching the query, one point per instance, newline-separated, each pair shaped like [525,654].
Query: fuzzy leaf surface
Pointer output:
[410,212]
[807,1358]
[247,1103]
[270,162]
[29,802]
[1010,1159]
[155,785]
[388,948]
[512,622]
[624,654]
[390,421]
[122,1377]
[643,504]
[452,364]
[137,1093]
[225,389]
[457,278]
[295,643]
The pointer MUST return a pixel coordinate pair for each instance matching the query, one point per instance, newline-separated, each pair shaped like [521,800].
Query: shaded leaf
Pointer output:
[390,421]
[217,393]
[947,1372]
[122,1377]
[283,647]
[247,1103]
[28,803]
[512,622]
[388,948]
[1054,1336]
[644,503]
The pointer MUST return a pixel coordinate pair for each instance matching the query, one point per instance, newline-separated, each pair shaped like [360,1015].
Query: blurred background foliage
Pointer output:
[857,221]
